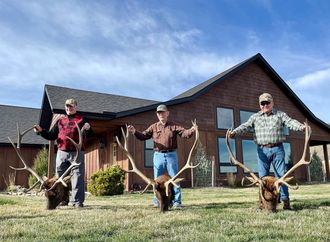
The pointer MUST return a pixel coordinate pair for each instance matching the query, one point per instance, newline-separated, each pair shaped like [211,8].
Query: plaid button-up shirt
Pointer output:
[269,128]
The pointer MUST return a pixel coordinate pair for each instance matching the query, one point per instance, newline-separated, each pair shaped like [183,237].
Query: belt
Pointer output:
[165,151]
[270,145]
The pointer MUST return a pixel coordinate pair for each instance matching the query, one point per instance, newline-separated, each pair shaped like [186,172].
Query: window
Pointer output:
[244,116]
[225,118]
[224,162]
[148,153]
[250,159]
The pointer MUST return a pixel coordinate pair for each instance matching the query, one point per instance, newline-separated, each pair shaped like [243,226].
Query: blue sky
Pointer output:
[157,49]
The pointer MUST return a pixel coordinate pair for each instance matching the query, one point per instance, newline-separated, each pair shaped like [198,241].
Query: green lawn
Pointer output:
[209,214]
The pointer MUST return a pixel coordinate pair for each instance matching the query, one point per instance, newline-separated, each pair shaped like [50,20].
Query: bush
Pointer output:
[40,165]
[108,182]
[203,172]
[316,168]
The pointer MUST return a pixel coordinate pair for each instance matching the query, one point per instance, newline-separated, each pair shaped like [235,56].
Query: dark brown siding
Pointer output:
[8,157]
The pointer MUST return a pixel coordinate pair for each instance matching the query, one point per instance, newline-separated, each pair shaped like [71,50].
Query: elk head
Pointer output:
[56,189]
[269,186]
[162,186]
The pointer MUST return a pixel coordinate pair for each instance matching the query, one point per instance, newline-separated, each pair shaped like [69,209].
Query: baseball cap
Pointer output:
[161,108]
[71,102]
[265,97]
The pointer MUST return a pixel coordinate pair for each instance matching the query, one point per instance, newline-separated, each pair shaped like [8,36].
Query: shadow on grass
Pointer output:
[310,204]
[222,205]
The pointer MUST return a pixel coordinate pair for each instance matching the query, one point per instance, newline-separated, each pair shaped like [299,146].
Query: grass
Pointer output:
[209,214]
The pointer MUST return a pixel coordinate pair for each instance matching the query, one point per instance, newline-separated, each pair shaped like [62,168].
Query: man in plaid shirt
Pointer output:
[268,125]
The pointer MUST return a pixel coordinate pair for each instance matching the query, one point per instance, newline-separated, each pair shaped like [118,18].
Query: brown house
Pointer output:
[31,143]
[219,103]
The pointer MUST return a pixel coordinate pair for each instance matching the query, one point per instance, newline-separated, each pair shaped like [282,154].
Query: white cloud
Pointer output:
[146,55]
[313,80]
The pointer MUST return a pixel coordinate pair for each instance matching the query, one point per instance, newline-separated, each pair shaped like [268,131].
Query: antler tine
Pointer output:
[26,167]
[174,180]
[20,135]
[302,161]
[150,182]
[74,162]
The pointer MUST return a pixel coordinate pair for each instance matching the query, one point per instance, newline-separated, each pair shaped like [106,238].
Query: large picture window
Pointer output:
[225,118]
[224,162]
[148,153]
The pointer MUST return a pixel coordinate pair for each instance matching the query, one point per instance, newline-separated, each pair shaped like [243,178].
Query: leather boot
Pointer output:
[286,205]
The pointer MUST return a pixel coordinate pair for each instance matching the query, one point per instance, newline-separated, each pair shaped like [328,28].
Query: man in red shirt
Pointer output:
[65,127]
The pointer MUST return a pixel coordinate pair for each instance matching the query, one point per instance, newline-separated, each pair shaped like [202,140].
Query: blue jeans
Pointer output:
[169,161]
[63,161]
[276,157]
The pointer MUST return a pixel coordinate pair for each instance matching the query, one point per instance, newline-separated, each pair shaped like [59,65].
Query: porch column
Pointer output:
[326,160]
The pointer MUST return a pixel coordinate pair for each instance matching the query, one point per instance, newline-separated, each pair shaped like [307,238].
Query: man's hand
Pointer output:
[193,129]
[131,129]
[86,126]
[37,128]
[231,134]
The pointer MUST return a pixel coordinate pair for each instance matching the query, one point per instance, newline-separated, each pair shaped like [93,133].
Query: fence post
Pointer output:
[213,170]
[192,177]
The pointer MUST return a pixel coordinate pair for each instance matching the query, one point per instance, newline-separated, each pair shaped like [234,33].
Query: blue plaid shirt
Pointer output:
[269,128]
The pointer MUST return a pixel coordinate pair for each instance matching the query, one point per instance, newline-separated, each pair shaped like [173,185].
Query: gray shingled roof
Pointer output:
[93,102]
[25,117]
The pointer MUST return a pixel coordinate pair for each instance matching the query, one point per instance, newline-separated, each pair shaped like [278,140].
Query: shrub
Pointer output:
[203,172]
[108,182]
[40,165]
[316,168]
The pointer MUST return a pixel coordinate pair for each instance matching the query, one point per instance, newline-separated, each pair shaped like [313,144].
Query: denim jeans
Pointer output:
[276,157]
[63,161]
[167,161]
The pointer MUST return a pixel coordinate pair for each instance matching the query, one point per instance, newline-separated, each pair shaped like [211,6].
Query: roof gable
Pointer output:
[258,59]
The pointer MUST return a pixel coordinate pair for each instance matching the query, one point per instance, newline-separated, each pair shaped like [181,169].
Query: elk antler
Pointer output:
[74,162]
[18,151]
[236,162]
[303,161]
[150,182]
[174,180]
[253,179]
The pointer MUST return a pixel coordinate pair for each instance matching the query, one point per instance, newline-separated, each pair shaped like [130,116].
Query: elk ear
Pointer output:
[44,178]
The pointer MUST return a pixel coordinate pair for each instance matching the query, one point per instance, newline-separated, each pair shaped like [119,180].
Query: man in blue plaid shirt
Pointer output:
[268,125]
